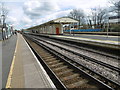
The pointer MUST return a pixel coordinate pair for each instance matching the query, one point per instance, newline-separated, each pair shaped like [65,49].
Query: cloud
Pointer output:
[28,13]
[26,20]
[11,20]
[38,12]
[37,8]
[46,18]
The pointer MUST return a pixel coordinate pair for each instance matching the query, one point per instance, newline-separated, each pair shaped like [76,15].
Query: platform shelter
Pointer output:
[52,27]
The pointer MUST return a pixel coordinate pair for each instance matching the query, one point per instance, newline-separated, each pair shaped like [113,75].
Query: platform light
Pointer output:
[3,25]
[107,27]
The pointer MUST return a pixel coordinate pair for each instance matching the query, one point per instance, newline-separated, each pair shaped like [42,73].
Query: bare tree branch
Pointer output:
[98,17]
[116,6]
[77,14]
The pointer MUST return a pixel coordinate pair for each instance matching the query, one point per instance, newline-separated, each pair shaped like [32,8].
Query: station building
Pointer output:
[114,23]
[52,27]
[114,20]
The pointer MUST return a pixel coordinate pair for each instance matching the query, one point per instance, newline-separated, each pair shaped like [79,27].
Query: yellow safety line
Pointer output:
[8,84]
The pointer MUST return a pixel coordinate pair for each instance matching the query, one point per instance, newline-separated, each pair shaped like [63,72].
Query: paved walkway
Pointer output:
[92,38]
[26,71]
[8,48]
[95,37]
[0,65]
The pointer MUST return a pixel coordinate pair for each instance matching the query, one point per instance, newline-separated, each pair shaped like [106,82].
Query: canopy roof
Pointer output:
[62,20]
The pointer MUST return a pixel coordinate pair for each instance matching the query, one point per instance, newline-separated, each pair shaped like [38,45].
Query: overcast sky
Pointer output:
[28,13]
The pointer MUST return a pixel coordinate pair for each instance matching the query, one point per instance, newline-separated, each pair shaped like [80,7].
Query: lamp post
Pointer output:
[70,28]
[107,27]
[3,24]
[7,30]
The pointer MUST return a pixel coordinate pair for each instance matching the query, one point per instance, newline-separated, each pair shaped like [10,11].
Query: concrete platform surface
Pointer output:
[101,39]
[85,38]
[26,71]
[8,48]
[96,37]
[0,65]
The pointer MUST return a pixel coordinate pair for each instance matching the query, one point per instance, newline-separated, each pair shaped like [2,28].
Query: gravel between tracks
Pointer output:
[108,60]
[113,75]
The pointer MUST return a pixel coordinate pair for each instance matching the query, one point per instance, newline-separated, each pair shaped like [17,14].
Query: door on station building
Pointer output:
[57,30]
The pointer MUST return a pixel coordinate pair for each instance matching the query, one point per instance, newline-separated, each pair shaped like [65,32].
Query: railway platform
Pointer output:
[7,52]
[26,71]
[98,40]
[93,38]
[104,39]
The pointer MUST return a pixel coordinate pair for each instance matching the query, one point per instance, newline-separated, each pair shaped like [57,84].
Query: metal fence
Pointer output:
[83,30]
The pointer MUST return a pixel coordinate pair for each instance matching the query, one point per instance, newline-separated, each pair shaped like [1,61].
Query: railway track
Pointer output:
[85,48]
[80,47]
[106,70]
[72,78]
[107,64]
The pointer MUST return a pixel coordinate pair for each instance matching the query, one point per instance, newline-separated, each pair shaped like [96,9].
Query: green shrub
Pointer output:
[115,28]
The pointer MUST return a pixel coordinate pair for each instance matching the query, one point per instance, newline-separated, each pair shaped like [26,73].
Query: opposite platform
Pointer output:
[92,38]
[26,71]
[97,42]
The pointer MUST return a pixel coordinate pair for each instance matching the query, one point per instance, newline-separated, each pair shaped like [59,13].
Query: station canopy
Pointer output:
[62,20]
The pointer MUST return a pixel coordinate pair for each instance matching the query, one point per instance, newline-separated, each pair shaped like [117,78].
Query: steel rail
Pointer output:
[87,58]
[84,48]
[66,60]
[89,69]
[76,46]
[56,80]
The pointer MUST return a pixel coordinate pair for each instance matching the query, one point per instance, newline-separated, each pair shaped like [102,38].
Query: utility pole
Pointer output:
[3,24]
[107,27]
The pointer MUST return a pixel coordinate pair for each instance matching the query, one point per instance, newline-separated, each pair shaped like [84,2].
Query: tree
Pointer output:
[3,14]
[98,17]
[89,21]
[77,14]
[116,6]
